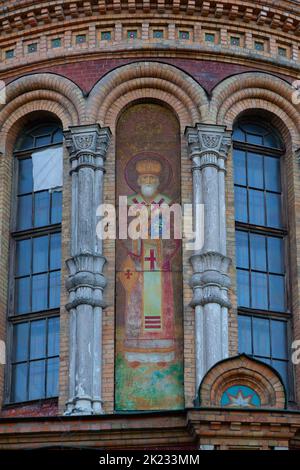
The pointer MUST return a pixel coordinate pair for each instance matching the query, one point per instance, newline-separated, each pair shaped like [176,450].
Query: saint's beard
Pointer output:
[148,190]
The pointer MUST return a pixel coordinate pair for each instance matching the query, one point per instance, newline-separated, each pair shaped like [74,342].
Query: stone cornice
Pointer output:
[285,15]
[39,23]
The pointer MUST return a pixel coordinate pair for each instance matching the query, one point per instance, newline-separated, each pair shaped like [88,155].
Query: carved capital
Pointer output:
[208,145]
[87,146]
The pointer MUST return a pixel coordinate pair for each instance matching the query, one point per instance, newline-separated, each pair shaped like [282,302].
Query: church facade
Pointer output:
[113,341]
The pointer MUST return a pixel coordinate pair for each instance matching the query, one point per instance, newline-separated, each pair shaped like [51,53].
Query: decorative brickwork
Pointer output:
[242,370]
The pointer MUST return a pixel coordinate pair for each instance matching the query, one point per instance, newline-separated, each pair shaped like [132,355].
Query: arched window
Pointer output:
[35,264]
[261,244]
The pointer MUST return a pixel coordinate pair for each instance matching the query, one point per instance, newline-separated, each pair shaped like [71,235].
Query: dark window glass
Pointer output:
[38,339]
[56,207]
[255,170]
[260,241]
[21,336]
[241,213]
[24,221]
[25,183]
[35,360]
[243,288]
[245,338]
[242,250]
[53,336]
[36,380]
[19,382]
[40,254]
[39,292]
[35,348]
[23,303]
[259,291]
[240,176]
[23,257]
[275,255]
[258,252]
[52,377]
[256,207]
[272,174]
[41,208]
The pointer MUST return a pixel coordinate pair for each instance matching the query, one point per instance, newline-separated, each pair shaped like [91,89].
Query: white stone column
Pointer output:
[87,146]
[208,149]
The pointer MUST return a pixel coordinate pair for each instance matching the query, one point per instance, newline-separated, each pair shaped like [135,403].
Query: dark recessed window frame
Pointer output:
[35,138]
[282,316]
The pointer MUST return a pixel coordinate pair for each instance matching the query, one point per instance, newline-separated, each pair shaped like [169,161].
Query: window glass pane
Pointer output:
[57,137]
[254,139]
[52,377]
[43,140]
[244,329]
[53,336]
[282,369]
[26,142]
[243,288]
[275,255]
[23,295]
[19,382]
[258,252]
[261,337]
[254,128]
[279,339]
[239,135]
[20,341]
[24,220]
[36,380]
[41,208]
[259,291]
[25,176]
[40,254]
[273,210]
[240,197]
[54,295]
[39,292]
[38,339]
[242,254]
[240,167]
[264,359]
[256,207]
[255,170]
[272,174]
[277,293]
[23,257]
[271,140]
[56,209]
[55,251]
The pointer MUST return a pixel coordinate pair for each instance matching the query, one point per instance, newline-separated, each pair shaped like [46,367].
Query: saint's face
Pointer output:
[148,184]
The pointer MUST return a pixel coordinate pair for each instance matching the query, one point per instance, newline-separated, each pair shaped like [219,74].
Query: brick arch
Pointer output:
[242,370]
[39,92]
[256,91]
[144,80]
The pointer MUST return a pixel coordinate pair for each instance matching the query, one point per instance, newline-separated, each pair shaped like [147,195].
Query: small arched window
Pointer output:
[261,245]
[36,262]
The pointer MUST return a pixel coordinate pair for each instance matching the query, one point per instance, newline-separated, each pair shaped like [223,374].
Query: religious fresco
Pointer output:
[149,332]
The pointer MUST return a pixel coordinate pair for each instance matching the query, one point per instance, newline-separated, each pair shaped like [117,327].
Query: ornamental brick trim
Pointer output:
[40,92]
[242,370]
[256,91]
[144,80]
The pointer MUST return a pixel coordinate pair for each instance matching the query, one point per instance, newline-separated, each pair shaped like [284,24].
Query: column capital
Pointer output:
[208,144]
[87,145]
[210,280]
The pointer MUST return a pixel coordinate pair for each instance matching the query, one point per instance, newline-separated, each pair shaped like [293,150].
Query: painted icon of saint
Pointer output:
[146,273]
